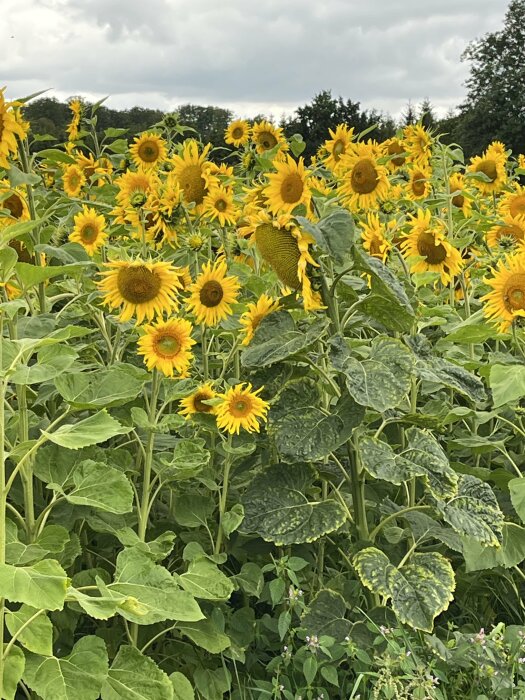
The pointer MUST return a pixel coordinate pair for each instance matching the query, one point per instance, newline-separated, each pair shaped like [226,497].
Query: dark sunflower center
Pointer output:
[199,405]
[427,248]
[89,171]
[167,345]
[364,177]
[517,206]
[1,126]
[240,407]
[338,149]
[375,246]
[514,232]
[193,184]
[488,167]
[15,206]
[211,293]
[148,151]
[89,233]
[279,249]
[292,188]
[393,150]
[221,205]
[238,132]
[458,201]
[514,292]
[267,140]
[418,184]
[138,285]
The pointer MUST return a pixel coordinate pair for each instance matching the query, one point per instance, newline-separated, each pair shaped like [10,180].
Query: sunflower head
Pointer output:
[89,230]
[191,172]
[238,133]
[148,150]
[241,407]
[166,346]
[213,293]
[288,187]
[506,302]
[266,136]
[336,146]
[507,234]
[373,236]
[362,180]
[492,166]
[218,204]
[13,204]
[73,180]
[196,402]
[255,313]
[513,203]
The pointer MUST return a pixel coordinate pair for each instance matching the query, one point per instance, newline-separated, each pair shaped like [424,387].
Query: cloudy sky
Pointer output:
[252,56]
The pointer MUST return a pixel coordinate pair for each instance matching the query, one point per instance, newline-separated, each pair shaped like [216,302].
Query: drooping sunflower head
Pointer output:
[241,407]
[11,126]
[513,203]
[255,313]
[507,233]
[73,180]
[374,239]
[13,204]
[73,127]
[134,188]
[266,136]
[457,188]
[506,302]
[337,145]
[213,293]
[148,150]
[89,230]
[418,144]
[238,133]
[191,172]
[196,402]
[362,180]
[419,183]
[166,346]
[428,250]
[492,166]
[141,288]
[288,187]
[218,204]
[396,152]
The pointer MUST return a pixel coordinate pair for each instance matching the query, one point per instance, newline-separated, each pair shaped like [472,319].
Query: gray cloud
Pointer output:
[250,55]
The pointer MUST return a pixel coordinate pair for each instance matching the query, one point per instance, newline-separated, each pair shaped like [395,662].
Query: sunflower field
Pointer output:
[262,419]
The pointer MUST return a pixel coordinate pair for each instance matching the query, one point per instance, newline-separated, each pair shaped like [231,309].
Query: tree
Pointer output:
[426,114]
[409,116]
[495,104]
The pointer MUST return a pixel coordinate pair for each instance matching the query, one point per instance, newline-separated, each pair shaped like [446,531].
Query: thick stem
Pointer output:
[148,459]
[3,501]
[26,473]
[223,498]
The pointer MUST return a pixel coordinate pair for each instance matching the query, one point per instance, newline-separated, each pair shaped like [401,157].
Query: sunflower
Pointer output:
[89,230]
[513,203]
[288,187]
[13,205]
[144,288]
[238,133]
[11,126]
[191,172]
[492,165]
[285,247]
[456,183]
[219,204]
[419,184]
[240,408]
[428,243]
[363,181]
[73,180]
[373,236]
[194,403]
[134,188]
[213,293]
[166,346]
[507,233]
[506,301]
[337,146]
[148,150]
[255,313]
[266,136]
[160,220]
[184,277]
[396,152]
[418,145]
[76,107]
[521,161]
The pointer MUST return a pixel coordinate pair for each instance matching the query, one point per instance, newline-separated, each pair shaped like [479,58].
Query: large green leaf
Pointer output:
[100,389]
[511,552]
[51,362]
[189,457]
[326,616]
[182,688]
[79,675]
[517,496]
[306,433]
[420,590]
[37,636]
[90,431]
[381,380]
[206,635]
[282,345]
[205,580]
[13,668]
[133,676]
[30,275]
[52,540]
[41,586]
[100,486]
[277,507]
[507,383]
[137,576]
[334,233]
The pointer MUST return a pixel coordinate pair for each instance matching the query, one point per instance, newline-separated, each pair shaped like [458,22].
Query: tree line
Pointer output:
[494,108]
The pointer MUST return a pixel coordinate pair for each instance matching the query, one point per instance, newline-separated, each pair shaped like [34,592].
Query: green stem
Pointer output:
[26,473]
[205,370]
[3,502]
[397,514]
[223,498]
[148,459]
[19,631]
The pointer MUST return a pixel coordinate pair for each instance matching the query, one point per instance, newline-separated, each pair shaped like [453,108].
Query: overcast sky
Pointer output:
[251,56]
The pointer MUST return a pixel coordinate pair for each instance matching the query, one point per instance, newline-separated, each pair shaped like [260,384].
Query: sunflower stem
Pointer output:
[3,502]
[205,369]
[223,497]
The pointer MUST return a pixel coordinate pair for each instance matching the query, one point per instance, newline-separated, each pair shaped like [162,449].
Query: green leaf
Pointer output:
[420,590]
[13,668]
[41,586]
[232,519]
[441,371]
[334,233]
[133,676]
[326,616]
[310,669]
[277,508]
[100,389]
[52,539]
[18,177]
[212,684]
[51,362]
[192,510]
[282,345]
[475,512]
[31,275]
[90,431]
[306,433]
[78,675]
[38,635]
[20,229]
[189,457]
[205,634]
[380,309]
[205,580]
[250,579]
[55,155]
[381,380]
[517,496]
[511,552]
[102,608]
[182,688]
[507,383]
[152,585]
[100,486]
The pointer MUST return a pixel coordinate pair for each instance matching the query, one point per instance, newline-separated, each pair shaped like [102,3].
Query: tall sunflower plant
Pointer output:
[249,406]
